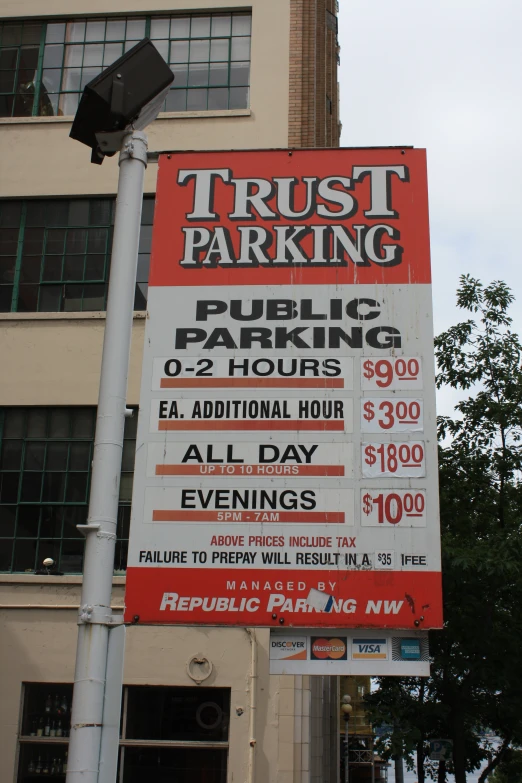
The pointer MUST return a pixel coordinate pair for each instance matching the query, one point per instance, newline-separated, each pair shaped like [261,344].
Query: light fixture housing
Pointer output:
[126,95]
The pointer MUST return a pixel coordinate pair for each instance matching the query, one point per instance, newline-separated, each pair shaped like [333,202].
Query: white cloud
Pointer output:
[445,75]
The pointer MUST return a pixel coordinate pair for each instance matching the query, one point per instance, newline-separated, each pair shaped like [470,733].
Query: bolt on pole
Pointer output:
[95,615]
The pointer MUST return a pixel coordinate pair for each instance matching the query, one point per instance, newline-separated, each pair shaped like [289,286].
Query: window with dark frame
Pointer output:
[44,65]
[55,254]
[45,471]
[196,722]
[44,730]
[332,21]
[167,733]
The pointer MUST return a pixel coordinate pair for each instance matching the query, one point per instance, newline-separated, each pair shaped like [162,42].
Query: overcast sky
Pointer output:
[446,75]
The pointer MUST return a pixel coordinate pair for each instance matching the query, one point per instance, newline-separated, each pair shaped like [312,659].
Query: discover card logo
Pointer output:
[366,649]
[288,648]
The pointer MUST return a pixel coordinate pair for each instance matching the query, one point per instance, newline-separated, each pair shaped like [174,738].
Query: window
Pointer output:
[55,254]
[45,471]
[44,65]
[210,59]
[44,730]
[167,734]
[331,21]
[176,734]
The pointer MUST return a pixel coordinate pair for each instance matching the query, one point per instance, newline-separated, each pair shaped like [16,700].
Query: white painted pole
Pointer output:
[95,615]
[112,706]
[346,749]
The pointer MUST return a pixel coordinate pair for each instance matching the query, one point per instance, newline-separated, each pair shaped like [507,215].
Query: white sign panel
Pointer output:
[286,463]
[253,372]
[395,459]
[396,507]
[251,459]
[250,505]
[391,374]
[392,414]
[362,652]
[251,414]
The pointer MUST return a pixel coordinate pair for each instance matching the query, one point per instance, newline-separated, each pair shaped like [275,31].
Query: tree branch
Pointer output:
[495,760]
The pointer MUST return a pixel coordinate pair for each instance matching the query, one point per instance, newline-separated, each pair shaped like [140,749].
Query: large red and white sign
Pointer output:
[286,464]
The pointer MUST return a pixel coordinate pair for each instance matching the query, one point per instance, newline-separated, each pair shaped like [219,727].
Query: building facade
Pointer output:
[260,75]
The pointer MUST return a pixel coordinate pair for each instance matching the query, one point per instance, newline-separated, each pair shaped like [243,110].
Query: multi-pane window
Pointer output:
[44,65]
[210,59]
[20,47]
[44,730]
[45,472]
[174,734]
[55,254]
[167,734]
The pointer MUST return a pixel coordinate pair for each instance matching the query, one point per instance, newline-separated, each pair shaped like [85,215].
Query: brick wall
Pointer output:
[314,118]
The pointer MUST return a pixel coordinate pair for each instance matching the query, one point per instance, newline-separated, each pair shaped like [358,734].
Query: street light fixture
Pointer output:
[115,108]
[346,709]
[129,93]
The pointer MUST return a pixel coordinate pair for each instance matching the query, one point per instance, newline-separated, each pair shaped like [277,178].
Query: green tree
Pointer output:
[408,715]
[476,678]
[509,770]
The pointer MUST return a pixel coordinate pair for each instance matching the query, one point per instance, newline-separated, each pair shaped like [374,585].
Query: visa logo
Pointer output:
[369,648]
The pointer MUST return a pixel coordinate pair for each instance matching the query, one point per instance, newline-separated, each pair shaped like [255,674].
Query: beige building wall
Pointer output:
[38,635]
[39,159]
[54,359]
[283,729]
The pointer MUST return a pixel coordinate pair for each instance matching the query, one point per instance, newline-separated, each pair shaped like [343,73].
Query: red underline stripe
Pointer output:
[266,424]
[197,470]
[252,383]
[331,517]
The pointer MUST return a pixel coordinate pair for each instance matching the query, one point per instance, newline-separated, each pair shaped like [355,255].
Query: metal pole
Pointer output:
[95,616]
[346,751]
[399,770]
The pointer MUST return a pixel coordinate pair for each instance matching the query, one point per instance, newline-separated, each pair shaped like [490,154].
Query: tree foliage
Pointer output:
[509,770]
[476,678]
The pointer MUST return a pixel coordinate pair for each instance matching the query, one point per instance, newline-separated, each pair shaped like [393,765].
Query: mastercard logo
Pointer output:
[334,649]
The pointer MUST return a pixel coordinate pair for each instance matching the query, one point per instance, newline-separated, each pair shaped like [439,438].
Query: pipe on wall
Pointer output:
[253,705]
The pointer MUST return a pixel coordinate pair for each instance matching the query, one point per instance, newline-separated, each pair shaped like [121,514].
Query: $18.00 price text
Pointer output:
[393,459]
